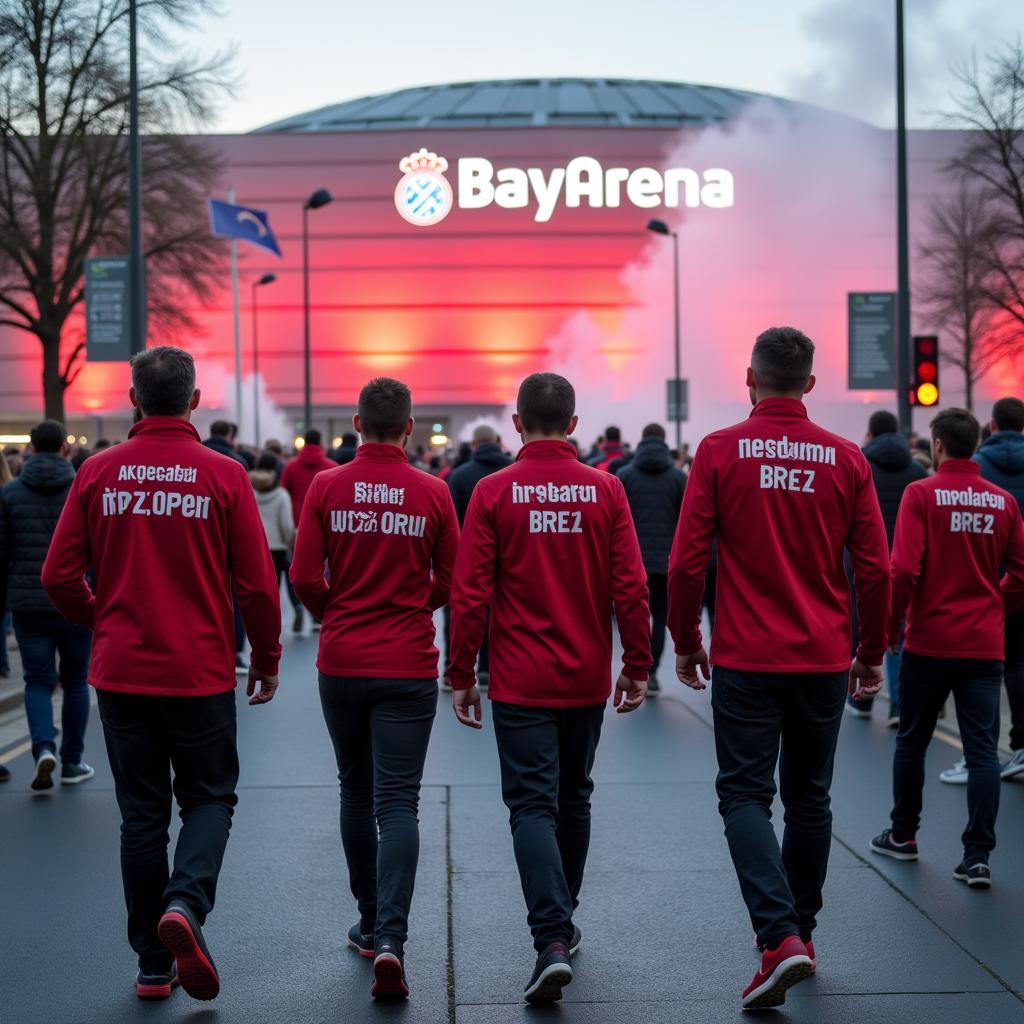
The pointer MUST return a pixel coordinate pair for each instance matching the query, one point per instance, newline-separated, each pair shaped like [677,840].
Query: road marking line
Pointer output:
[24,748]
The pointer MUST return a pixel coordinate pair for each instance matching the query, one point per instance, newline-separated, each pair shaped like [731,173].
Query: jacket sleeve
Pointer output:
[443,558]
[868,546]
[254,578]
[6,551]
[629,590]
[68,558]
[691,551]
[307,571]
[908,546]
[286,517]
[1013,561]
[472,591]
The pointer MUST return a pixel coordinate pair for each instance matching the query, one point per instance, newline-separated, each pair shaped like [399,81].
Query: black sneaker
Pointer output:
[156,984]
[550,976]
[241,666]
[5,775]
[72,774]
[859,708]
[888,847]
[577,940]
[297,621]
[977,876]
[653,689]
[360,941]
[389,971]
[483,680]
[179,931]
[46,765]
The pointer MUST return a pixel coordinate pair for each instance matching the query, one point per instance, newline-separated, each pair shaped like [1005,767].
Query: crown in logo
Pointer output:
[422,161]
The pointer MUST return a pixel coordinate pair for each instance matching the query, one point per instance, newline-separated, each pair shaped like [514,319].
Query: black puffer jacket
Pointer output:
[654,487]
[30,506]
[893,469]
[486,459]
[1001,458]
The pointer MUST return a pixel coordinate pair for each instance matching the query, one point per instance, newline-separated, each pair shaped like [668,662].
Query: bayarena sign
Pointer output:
[424,195]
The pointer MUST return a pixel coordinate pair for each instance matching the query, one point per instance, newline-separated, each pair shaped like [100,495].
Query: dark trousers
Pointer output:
[380,729]
[657,587]
[1014,677]
[546,757]
[925,683]
[146,738]
[757,714]
[42,637]
[280,558]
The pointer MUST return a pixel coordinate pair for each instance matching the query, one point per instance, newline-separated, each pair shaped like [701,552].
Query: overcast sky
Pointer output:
[295,55]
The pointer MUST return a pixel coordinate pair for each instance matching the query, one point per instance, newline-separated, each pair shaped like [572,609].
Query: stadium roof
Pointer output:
[528,103]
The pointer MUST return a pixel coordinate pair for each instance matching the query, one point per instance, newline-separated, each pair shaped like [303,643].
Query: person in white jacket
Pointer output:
[275,507]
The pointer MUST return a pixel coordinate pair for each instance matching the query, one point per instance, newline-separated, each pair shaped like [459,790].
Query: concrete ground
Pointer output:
[666,938]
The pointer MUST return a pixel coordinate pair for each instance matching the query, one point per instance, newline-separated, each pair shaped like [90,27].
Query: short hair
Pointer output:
[385,405]
[312,436]
[958,431]
[613,434]
[100,444]
[653,430]
[485,434]
[220,428]
[546,403]
[883,422]
[268,460]
[782,359]
[1008,414]
[349,438]
[164,379]
[273,445]
[48,436]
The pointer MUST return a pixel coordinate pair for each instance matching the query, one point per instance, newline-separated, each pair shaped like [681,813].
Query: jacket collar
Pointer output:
[375,451]
[547,450]
[967,466]
[169,427]
[786,408]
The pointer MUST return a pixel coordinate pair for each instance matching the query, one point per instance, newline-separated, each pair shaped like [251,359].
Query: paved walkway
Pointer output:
[666,937]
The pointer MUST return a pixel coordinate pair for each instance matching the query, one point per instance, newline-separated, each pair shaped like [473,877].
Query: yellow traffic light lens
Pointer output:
[927,394]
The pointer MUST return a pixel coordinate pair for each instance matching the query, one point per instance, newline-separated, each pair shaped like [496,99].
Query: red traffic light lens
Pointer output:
[925,347]
[927,372]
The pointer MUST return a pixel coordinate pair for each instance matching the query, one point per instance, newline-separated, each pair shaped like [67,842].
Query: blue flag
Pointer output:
[243,222]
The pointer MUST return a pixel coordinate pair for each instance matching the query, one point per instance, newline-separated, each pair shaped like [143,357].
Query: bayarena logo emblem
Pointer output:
[424,195]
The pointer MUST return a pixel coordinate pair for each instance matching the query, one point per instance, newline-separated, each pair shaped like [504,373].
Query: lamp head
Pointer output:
[659,227]
[267,279]
[321,197]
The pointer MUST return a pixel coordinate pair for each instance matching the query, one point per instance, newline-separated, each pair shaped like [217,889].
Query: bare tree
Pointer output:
[991,167]
[956,261]
[63,166]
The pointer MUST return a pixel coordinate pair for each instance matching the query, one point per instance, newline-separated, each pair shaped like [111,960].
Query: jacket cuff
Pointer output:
[267,666]
[460,680]
[870,657]
[638,675]
[689,645]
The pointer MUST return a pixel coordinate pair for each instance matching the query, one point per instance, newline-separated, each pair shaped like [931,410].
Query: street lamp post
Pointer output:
[659,227]
[321,197]
[136,256]
[265,279]
[902,239]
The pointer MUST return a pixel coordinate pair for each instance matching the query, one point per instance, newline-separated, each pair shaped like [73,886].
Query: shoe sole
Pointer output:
[44,774]
[973,883]
[198,977]
[960,780]
[773,992]
[361,950]
[388,982]
[894,854]
[548,987]
[573,950]
[155,991]
[77,779]
[1012,773]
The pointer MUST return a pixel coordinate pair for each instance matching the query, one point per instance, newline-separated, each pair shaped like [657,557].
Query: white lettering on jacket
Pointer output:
[783,448]
[969,497]
[155,503]
[161,474]
[377,494]
[553,494]
[972,522]
[392,523]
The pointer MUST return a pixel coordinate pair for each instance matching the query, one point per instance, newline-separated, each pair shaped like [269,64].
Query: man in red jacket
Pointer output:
[388,534]
[953,533]
[168,526]
[300,472]
[782,498]
[549,546]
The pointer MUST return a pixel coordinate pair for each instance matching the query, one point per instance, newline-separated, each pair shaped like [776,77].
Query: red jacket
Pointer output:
[299,474]
[953,532]
[549,545]
[388,533]
[168,526]
[783,498]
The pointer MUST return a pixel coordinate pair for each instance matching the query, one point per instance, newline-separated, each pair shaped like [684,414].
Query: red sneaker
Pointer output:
[781,968]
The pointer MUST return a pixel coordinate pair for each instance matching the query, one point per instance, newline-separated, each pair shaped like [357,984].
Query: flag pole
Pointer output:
[238,329]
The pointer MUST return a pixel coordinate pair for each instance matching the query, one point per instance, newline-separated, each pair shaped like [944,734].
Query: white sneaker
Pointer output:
[1015,766]
[46,765]
[957,775]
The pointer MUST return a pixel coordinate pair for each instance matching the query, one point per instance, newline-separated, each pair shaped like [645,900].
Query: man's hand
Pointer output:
[268,687]
[466,705]
[687,665]
[636,691]
[865,680]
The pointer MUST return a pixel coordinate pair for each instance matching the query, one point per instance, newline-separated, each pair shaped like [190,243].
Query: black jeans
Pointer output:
[756,713]
[1014,677]
[146,738]
[546,757]
[380,729]
[280,557]
[925,683]
[657,587]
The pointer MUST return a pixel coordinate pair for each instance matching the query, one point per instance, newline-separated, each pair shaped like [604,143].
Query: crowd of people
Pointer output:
[825,569]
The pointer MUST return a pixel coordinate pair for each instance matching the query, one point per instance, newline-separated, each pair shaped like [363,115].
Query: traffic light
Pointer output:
[924,386]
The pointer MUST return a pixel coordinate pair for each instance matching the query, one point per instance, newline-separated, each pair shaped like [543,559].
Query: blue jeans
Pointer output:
[892,678]
[5,628]
[41,637]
